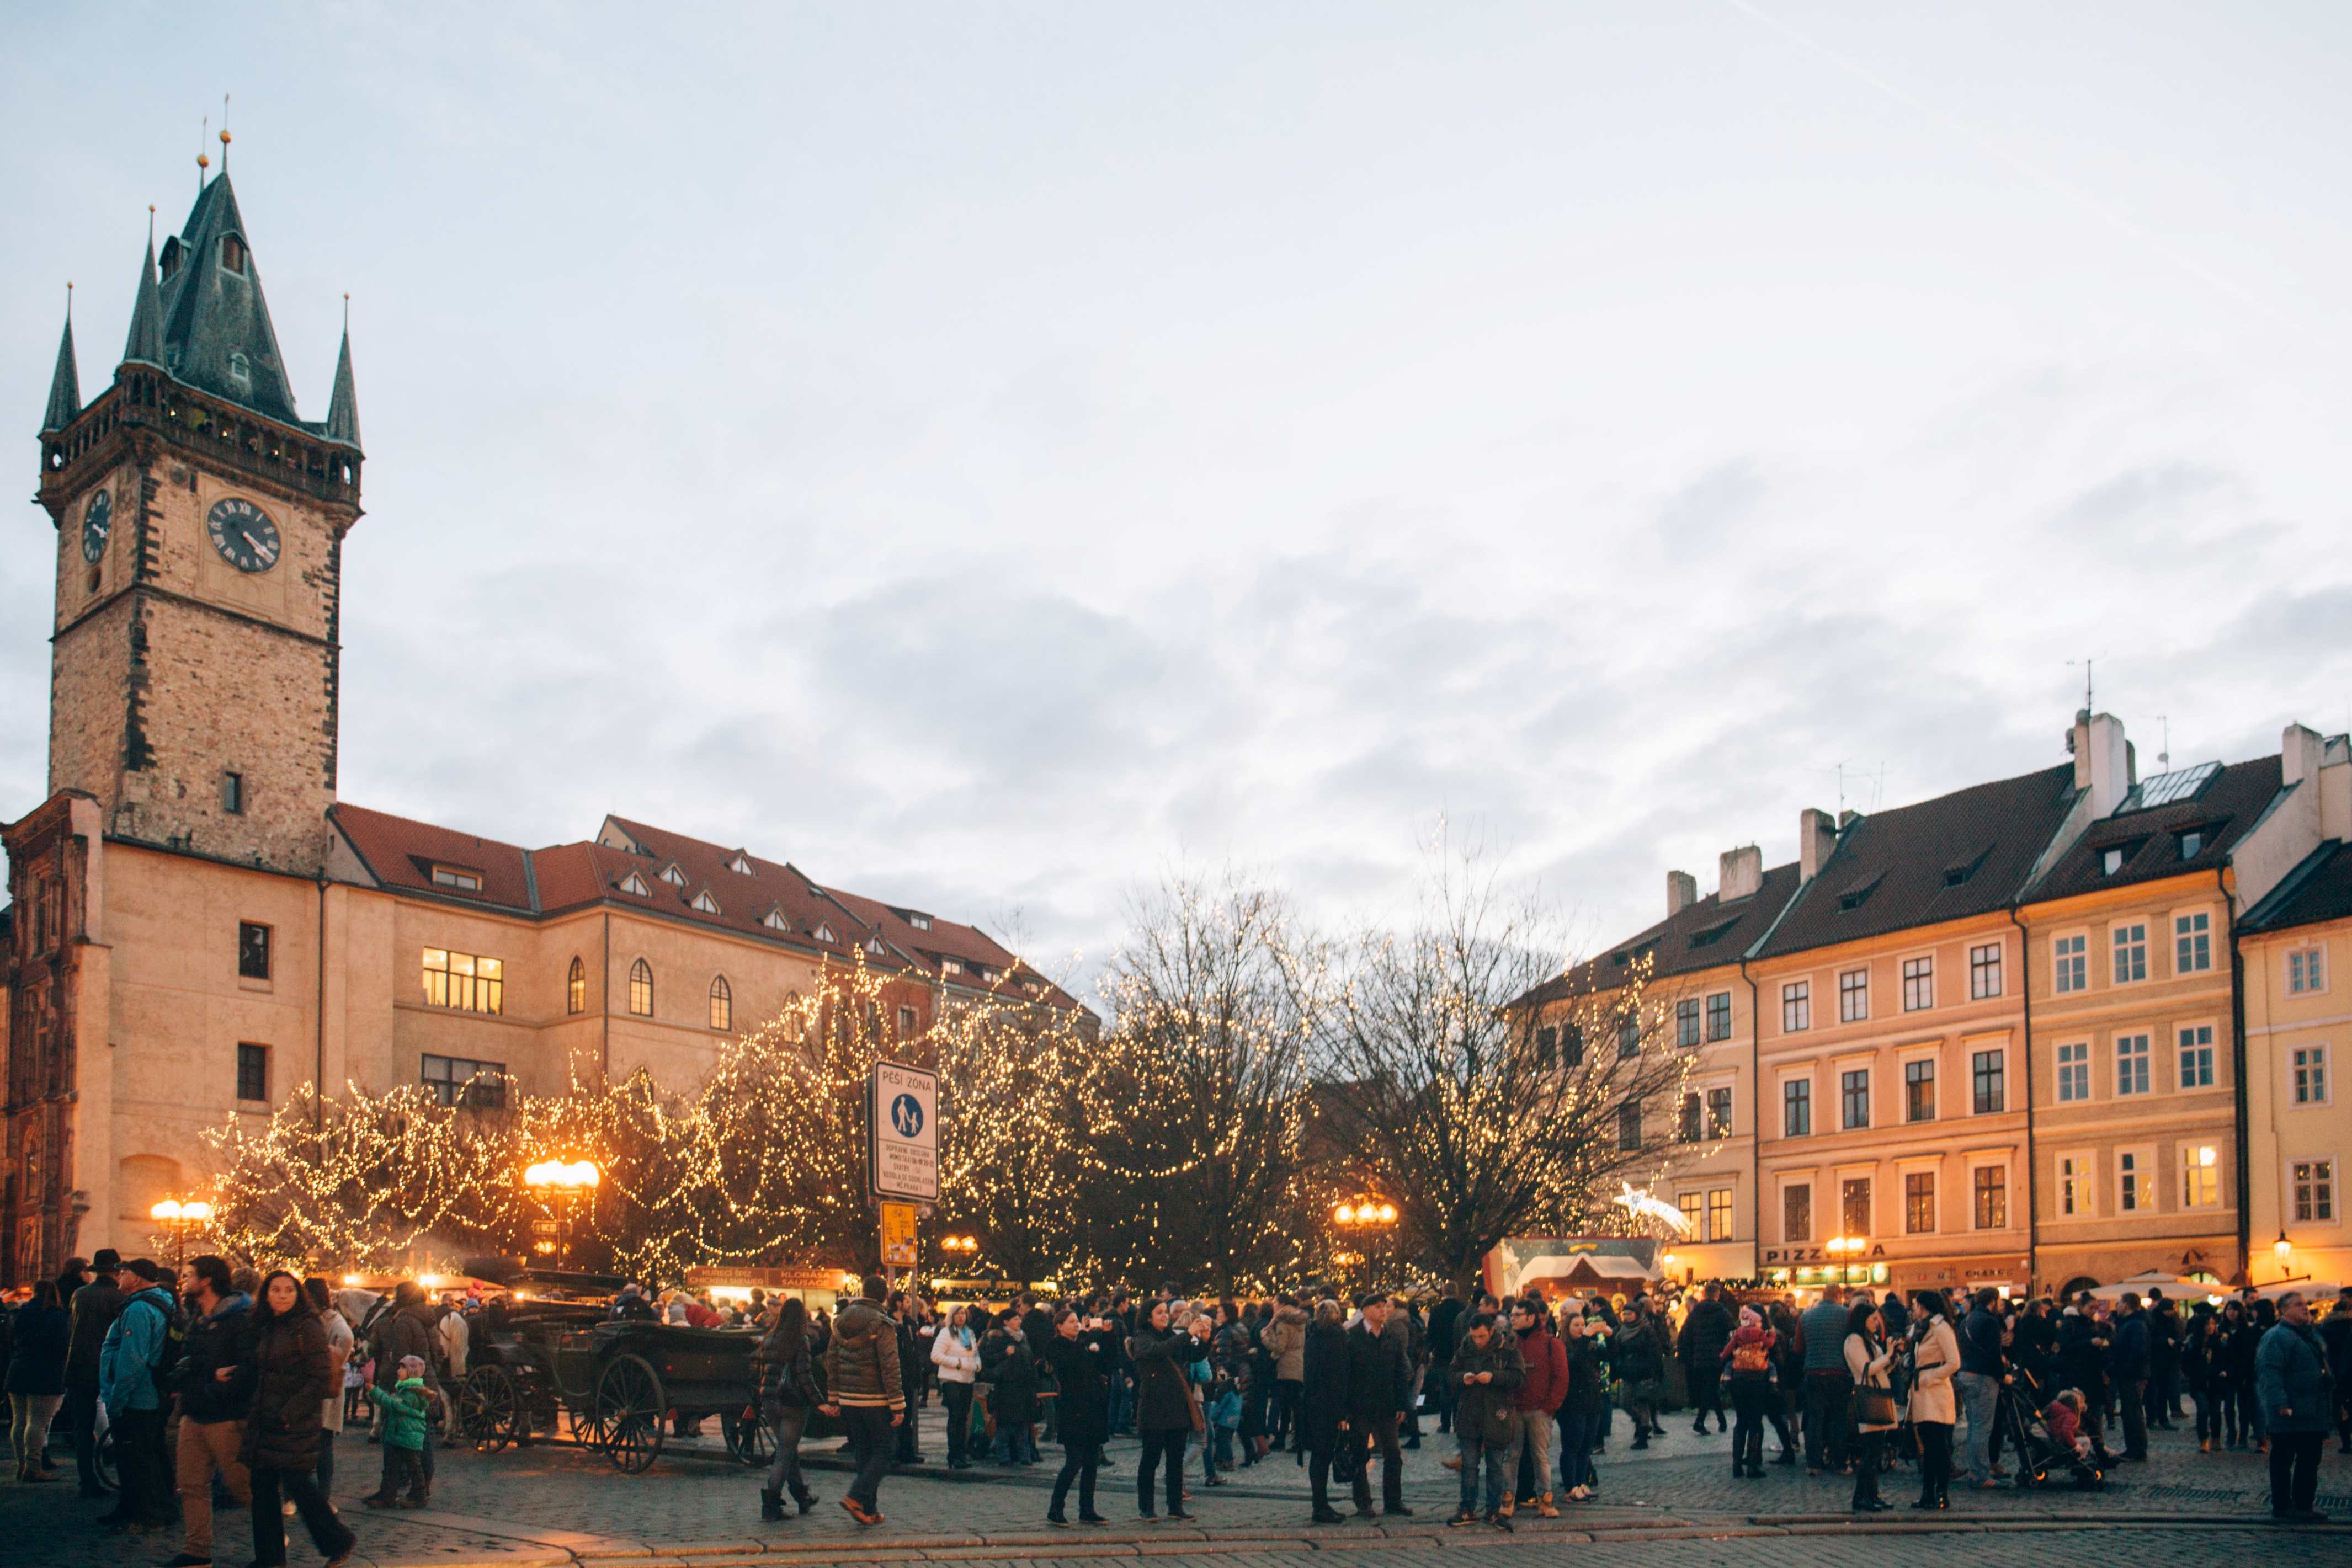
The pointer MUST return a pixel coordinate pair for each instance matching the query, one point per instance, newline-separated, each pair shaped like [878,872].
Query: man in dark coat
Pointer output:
[1323,1402]
[408,1329]
[95,1306]
[1079,1352]
[1705,1332]
[1445,1338]
[1379,1386]
[2127,1362]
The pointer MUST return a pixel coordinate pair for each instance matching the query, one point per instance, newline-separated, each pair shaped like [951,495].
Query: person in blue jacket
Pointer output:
[135,1346]
[2297,1399]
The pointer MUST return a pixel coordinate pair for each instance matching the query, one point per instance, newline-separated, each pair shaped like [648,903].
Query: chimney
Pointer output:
[1847,817]
[2101,760]
[2300,753]
[1682,892]
[1817,834]
[1741,873]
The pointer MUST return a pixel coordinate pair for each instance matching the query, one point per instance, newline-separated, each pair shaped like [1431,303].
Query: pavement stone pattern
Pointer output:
[1675,1503]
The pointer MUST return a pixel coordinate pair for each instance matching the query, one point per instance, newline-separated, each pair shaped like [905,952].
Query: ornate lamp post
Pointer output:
[179,1218]
[563,1185]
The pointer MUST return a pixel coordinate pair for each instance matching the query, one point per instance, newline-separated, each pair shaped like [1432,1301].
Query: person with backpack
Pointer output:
[137,1361]
[1747,1363]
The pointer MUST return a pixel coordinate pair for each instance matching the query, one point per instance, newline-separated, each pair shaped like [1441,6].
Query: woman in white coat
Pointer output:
[1868,1357]
[1935,1357]
[955,1351]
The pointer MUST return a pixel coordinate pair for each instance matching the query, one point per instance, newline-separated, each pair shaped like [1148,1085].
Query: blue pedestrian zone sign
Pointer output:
[902,1148]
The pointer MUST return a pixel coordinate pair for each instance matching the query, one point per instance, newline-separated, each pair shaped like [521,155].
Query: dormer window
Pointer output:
[2111,862]
[950,966]
[1855,898]
[232,254]
[823,932]
[240,370]
[874,945]
[920,922]
[672,876]
[704,903]
[2192,842]
[456,877]
[740,866]
[169,263]
[774,921]
[635,884]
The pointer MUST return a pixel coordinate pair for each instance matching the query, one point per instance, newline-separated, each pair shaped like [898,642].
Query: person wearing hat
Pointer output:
[94,1304]
[135,1343]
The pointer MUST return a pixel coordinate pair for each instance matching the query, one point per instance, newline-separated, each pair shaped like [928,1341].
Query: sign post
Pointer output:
[902,1151]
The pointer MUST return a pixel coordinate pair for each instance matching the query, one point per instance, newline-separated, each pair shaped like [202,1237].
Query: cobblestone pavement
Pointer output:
[1676,1503]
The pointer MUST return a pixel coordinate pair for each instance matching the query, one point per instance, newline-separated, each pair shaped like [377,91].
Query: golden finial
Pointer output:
[224,133]
[203,160]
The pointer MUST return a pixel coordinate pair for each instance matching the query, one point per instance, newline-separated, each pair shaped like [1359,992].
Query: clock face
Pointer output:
[97,524]
[244,535]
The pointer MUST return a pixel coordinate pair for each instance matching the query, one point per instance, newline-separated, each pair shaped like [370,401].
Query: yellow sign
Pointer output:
[899,1235]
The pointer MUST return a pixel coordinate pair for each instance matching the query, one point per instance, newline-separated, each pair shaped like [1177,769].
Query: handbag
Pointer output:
[1192,1398]
[1874,1407]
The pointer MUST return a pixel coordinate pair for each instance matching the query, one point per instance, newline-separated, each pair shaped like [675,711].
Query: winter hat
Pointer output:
[408,1361]
[1750,1317]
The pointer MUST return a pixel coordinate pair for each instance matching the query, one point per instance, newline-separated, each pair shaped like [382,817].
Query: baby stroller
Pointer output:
[2041,1459]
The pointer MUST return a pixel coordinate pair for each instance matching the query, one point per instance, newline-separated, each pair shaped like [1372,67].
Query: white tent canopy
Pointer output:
[2172,1285]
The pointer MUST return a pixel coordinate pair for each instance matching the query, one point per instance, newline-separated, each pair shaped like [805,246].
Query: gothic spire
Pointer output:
[65,385]
[343,407]
[217,332]
[146,342]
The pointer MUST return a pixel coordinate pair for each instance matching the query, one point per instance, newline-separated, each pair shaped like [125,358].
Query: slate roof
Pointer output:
[343,407]
[1968,852]
[65,387]
[144,343]
[2319,889]
[2228,805]
[1698,937]
[215,322]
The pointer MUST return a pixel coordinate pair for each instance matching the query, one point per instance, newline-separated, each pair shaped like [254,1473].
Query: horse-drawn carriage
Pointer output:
[619,1386]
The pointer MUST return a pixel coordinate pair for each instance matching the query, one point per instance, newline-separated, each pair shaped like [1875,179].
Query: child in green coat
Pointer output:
[404,1411]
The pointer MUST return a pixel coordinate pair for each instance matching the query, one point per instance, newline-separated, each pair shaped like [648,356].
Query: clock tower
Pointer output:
[194,656]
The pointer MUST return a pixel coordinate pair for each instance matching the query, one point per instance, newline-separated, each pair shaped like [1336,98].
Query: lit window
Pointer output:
[1796,1006]
[1797,1213]
[1718,1113]
[458,1081]
[2200,1176]
[252,951]
[1988,1074]
[1796,1108]
[1687,1021]
[1919,1090]
[1984,971]
[2134,1183]
[1853,996]
[1719,1016]
[2073,1184]
[253,1073]
[463,881]
[2131,1064]
[2305,972]
[1991,1198]
[1919,1203]
[1918,984]
[2197,1056]
[722,1003]
[1853,1206]
[464,982]
[575,987]
[1629,1127]
[2069,965]
[1854,1094]
[1718,1214]
[2074,1071]
[2310,1075]
[2314,1191]
[1693,1208]
[2193,943]
[2130,953]
[704,903]
[641,990]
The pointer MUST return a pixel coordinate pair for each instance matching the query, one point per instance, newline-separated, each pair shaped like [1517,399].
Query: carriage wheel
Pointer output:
[752,1441]
[489,1409]
[629,1409]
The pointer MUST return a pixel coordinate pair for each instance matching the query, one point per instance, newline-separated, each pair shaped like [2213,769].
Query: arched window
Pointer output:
[722,1003]
[641,988]
[575,987]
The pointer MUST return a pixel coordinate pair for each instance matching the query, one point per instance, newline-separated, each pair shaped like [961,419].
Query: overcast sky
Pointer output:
[991,455]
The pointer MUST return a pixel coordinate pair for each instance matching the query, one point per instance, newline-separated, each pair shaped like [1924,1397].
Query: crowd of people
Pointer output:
[213,1381]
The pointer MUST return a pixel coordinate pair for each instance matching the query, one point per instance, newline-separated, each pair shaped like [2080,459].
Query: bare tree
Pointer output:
[1481,1115]
[1192,1113]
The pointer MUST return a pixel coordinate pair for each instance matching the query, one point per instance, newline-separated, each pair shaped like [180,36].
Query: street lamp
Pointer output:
[179,1218]
[964,1246]
[563,1185]
[2283,1251]
[1364,1211]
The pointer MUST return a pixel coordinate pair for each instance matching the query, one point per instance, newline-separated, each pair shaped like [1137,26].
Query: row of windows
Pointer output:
[1988,1093]
[1988,1204]
[2193,1063]
[2201,1181]
[2127,944]
[1707,1215]
[1918,977]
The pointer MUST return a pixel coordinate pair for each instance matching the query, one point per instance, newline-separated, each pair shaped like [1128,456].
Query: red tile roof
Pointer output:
[402,854]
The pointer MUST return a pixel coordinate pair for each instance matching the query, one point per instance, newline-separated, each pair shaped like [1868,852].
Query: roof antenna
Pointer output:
[2088,706]
[2164,757]
[203,159]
